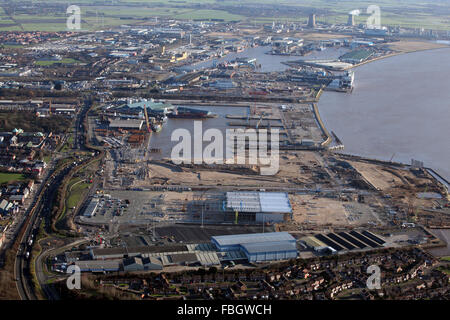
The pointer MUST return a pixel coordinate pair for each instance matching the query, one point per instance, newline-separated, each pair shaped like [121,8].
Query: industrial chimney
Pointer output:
[351,20]
[312,20]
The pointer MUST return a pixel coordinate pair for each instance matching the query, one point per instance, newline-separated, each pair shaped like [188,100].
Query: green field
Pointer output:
[76,192]
[44,63]
[407,13]
[357,55]
[445,270]
[9,177]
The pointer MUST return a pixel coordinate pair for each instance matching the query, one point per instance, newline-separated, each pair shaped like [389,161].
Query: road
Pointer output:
[39,210]
[42,210]
[39,267]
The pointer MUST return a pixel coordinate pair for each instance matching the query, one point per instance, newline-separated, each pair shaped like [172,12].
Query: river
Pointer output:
[400,107]
[268,62]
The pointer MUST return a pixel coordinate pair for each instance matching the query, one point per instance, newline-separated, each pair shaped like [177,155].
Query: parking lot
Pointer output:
[139,207]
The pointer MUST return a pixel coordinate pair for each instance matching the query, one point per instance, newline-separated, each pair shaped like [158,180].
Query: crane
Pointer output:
[146,119]
[260,119]
[393,155]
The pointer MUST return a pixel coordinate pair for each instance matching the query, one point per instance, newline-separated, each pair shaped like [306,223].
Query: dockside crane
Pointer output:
[393,155]
[146,150]
[146,119]
[260,119]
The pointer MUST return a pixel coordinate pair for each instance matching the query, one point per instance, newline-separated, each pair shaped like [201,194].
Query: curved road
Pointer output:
[41,209]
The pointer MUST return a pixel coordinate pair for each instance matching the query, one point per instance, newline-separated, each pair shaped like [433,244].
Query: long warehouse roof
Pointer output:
[253,238]
[275,246]
[98,265]
[126,124]
[258,202]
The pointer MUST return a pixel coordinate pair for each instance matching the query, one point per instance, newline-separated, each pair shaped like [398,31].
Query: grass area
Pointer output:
[5,222]
[357,55]
[44,63]
[12,46]
[70,139]
[63,161]
[47,158]
[411,13]
[76,193]
[209,14]
[68,144]
[76,189]
[7,281]
[446,259]
[9,177]
[445,270]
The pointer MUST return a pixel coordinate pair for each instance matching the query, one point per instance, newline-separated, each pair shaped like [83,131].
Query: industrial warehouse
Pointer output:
[247,207]
[343,241]
[243,249]
[260,247]
[240,248]
[259,206]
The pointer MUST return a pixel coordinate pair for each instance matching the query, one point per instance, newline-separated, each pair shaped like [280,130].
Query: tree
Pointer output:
[212,270]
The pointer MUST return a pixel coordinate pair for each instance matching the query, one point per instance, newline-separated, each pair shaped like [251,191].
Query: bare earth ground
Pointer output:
[221,34]
[289,175]
[410,46]
[375,174]
[384,178]
[309,209]
[7,282]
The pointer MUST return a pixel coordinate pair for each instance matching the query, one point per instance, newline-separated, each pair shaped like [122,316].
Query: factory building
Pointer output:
[135,108]
[141,264]
[281,250]
[190,254]
[259,247]
[266,207]
[316,245]
[91,208]
[99,266]
[126,124]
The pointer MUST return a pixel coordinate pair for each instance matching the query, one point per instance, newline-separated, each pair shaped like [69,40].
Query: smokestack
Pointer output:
[351,20]
[312,20]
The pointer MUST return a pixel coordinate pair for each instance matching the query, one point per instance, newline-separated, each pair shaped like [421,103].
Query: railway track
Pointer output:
[39,211]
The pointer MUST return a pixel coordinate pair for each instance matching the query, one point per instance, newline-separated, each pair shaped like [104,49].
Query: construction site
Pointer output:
[143,193]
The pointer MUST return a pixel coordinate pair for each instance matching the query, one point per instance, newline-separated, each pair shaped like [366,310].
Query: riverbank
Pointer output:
[345,111]
[322,126]
[395,54]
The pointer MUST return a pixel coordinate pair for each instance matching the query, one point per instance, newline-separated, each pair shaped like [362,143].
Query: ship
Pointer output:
[190,113]
[311,76]
[156,127]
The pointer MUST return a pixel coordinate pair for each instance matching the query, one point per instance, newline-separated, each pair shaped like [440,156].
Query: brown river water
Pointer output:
[400,107]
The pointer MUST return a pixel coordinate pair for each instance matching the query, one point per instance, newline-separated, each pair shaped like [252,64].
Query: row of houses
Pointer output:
[14,194]
[19,151]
